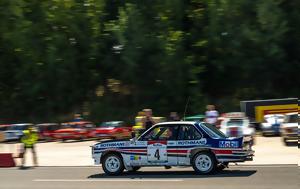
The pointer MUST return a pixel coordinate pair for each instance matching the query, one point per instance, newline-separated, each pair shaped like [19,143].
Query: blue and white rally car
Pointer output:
[180,143]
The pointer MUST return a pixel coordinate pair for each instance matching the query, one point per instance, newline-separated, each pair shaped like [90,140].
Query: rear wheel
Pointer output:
[204,163]
[113,164]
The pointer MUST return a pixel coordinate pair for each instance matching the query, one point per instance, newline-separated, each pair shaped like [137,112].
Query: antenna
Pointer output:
[186,105]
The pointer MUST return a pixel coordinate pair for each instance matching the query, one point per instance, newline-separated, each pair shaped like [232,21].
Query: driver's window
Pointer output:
[164,132]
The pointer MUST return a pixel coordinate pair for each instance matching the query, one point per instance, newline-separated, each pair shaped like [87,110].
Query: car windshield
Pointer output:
[212,131]
[18,127]
[235,122]
[111,124]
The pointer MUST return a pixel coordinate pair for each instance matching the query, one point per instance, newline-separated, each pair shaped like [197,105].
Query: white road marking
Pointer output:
[257,166]
[107,180]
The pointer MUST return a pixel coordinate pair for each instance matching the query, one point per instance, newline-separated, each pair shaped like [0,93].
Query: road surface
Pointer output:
[259,176]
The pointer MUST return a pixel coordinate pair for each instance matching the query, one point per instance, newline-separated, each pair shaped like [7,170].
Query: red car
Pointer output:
[112,130]
[47,130]
[75,131]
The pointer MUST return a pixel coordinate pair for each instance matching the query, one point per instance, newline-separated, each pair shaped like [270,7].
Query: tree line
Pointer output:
[108,59]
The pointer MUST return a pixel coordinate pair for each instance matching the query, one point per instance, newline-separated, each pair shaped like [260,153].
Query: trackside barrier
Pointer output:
[6,159]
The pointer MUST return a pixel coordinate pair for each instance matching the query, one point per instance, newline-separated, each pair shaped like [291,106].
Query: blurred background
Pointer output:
[108,59]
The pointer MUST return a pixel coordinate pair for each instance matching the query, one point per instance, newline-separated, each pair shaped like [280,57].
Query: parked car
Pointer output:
[4,127]
[235,124]
[180,143]
[289,128]
[79,130]
[47,130]
[112,130]
[2,133]
[271,124]
[15,131]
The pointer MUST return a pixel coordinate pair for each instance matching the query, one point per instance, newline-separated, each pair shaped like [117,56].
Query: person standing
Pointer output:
[148,121]
[174,116]
[211,115]
[29,139]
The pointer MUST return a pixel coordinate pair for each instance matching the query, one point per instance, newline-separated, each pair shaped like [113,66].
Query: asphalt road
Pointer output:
[268,176]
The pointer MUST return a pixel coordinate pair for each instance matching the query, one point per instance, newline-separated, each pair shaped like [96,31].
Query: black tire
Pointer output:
[119,166]
[134,169]
[207,156]
[285,141]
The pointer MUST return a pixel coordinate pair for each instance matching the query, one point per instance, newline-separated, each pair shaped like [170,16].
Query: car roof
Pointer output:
[22,124]
[47,124]
[112,121]
[273,115]
[177,122]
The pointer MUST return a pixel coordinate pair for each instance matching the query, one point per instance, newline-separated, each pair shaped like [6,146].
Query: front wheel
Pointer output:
[204,163]
[113,164]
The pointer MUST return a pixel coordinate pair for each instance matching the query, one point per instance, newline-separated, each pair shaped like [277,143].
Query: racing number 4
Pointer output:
[157,154]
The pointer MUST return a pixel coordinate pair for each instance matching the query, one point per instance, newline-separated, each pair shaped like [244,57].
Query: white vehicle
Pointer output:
[289,128]
[271,124]
[15,131]
[235,124]
[180,143]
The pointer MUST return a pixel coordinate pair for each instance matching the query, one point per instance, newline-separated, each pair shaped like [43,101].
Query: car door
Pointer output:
[189,138]
[160,140]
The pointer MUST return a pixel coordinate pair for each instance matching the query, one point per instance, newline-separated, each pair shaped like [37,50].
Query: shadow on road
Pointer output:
[177,174]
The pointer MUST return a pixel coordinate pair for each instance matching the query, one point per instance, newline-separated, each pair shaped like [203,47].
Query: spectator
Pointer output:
[174,116]
[78,117]
[148,121]
[29,140]
[211,115]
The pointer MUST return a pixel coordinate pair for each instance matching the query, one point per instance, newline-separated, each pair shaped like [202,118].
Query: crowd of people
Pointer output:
[211,116]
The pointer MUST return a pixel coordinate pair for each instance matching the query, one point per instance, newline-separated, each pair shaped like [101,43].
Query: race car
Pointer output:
[271,124]
[78,130]
[235,124]
[289,128]
[112,130]
[180,143]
